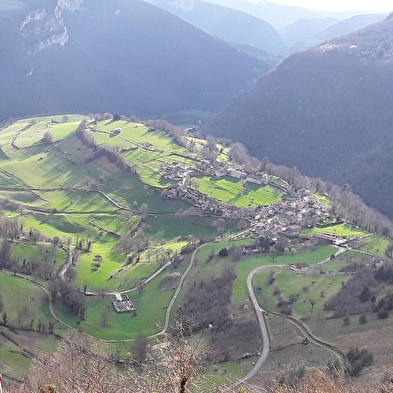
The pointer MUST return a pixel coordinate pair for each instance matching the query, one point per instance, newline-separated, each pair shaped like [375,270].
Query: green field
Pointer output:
[320,288]
[18,294]
[375,244]
[148,149]
[339,230]
[229,190]
[318,283]
[243,267]
[55,255]
[55,191]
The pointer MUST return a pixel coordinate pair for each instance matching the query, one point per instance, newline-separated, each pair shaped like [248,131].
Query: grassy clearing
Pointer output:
[10,180]
[323,199]
[313,286]
[215,267]
[375,244]
[243,268]
[55,255]
[34,134]
[112,262]
[43,222]
[170,227]
[224,374]
[149,149]
[139,133]
[339,230]
[17,295]
[12,362]
[135,197]
[229,190]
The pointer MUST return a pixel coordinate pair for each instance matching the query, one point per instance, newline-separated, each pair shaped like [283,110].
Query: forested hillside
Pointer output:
[309,35]
[326,111]
[122,56]
[227,24]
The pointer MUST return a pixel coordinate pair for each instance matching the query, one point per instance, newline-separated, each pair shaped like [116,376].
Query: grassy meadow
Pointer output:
[53,188]
[230,190]
[344,230]
[23,302]
[318,284]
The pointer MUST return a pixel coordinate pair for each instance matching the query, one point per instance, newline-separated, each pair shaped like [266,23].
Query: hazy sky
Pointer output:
[341,5]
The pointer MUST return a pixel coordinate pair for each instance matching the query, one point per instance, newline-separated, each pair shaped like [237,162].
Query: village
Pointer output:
[296,210]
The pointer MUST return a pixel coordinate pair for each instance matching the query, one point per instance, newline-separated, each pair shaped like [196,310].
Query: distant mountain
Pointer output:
[279,15]
[303,29]
[227,24]
[327,111]
[335,30]
[122,56]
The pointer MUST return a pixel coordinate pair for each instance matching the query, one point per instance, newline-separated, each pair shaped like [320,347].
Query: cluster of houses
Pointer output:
[177,171]
[285,217]
[220,169]
[289,216]
[202,204]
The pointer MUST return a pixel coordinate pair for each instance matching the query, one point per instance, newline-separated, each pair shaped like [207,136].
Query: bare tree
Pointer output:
[144,210]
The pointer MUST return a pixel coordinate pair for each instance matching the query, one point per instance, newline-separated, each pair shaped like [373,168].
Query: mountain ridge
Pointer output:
[227,24]
[316,111]
[99,56]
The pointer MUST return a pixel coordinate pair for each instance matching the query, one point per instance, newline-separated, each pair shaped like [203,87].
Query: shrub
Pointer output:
[357,360]
[223,252]
[363,319]
[382,313]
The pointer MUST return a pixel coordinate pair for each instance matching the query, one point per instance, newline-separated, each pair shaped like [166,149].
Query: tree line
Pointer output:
[100,151]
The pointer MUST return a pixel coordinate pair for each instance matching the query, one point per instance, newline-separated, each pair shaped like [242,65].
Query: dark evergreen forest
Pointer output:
[326,111]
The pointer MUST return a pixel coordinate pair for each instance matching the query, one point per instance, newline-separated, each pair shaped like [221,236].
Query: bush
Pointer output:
[362,319]
[286,310]
[187,249]
[276,291]
[382,314]
[357,360]
[223,252]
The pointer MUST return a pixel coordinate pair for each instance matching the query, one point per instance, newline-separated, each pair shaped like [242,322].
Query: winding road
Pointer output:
[259,312]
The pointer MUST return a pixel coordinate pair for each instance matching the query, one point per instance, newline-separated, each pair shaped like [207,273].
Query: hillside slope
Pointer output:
[303,28]
[328,112]
[124,56]
[340,28]
[227,24]
[280,15]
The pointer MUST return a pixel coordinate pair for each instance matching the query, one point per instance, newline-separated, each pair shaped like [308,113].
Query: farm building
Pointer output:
[299,267]
[255,179]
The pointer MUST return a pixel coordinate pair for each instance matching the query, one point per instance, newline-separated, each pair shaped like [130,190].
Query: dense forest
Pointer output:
[326,111]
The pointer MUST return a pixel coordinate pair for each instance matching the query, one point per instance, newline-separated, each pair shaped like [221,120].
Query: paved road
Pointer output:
[261,319]
[262,327]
